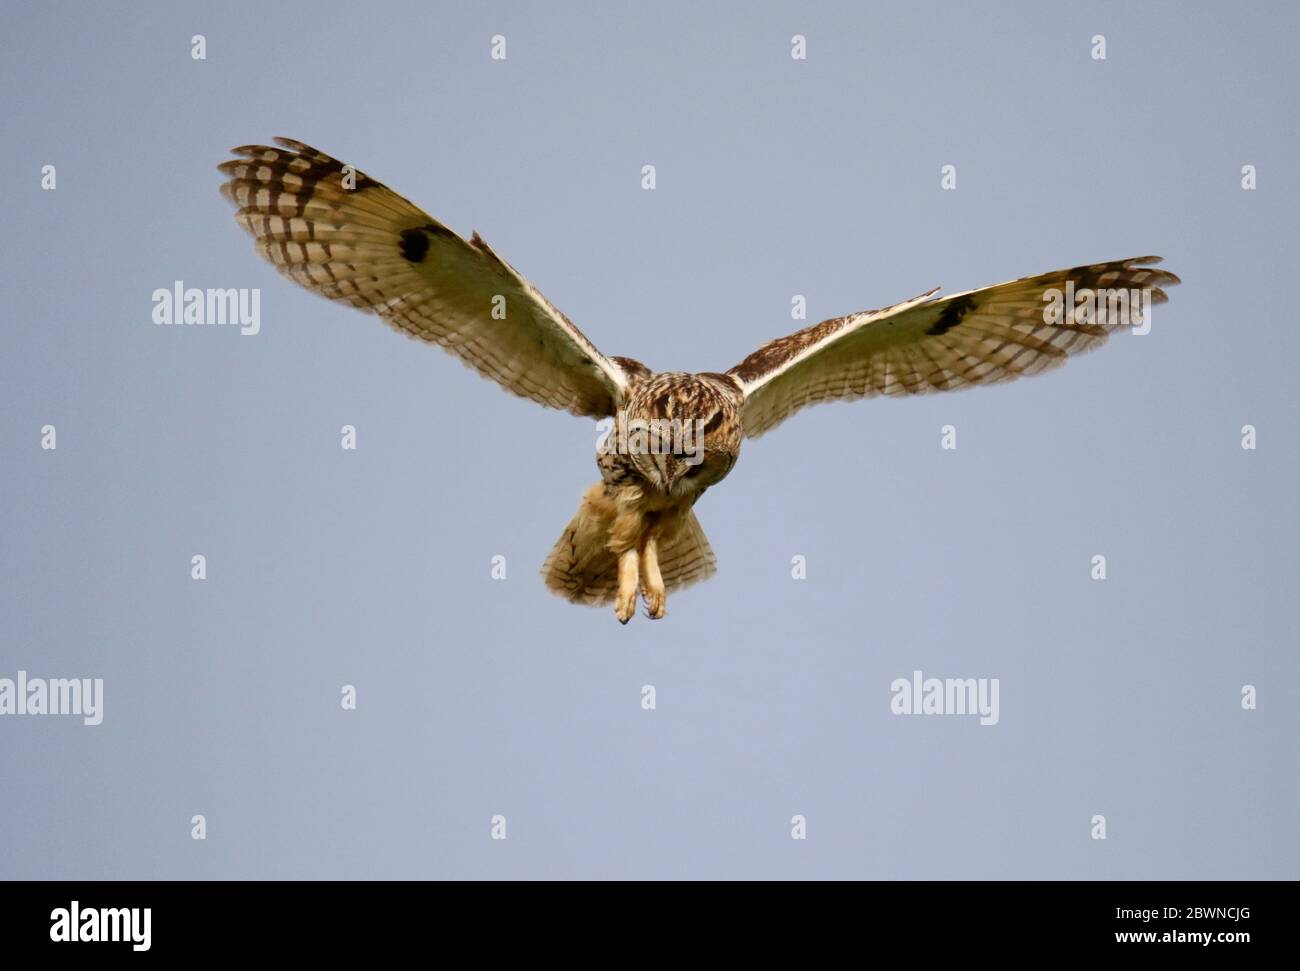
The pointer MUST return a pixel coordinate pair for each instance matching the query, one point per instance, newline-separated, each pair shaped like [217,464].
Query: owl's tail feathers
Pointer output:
[687,557]
[581,568]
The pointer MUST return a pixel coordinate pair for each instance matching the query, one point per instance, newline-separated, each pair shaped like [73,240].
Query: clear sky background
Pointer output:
[776,177]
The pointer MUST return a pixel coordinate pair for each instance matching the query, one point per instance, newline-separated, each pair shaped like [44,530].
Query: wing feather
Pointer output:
[337,232]
[930,344]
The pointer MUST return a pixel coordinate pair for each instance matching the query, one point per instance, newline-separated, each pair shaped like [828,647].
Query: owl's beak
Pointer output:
[669,470]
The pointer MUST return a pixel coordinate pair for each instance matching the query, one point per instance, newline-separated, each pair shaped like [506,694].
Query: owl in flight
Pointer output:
[672,435]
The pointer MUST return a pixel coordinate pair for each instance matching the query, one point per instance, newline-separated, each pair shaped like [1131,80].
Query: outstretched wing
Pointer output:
[345,236]
[922,345]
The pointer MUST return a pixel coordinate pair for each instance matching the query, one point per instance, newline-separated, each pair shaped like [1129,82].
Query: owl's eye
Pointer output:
[713,423]
[695,470]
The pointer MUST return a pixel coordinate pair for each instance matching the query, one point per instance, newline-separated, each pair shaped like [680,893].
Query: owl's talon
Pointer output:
[656,603]
[625,607]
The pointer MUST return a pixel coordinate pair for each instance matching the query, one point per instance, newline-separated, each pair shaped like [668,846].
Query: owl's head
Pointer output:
[681,432]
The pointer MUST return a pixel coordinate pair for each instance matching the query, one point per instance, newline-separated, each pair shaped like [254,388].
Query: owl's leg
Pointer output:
[625,601]
[652,581]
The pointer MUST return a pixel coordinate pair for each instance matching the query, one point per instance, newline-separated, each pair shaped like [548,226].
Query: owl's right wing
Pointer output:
[345,236]
[922,345]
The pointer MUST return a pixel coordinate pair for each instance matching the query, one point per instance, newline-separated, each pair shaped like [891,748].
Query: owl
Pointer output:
[671,435]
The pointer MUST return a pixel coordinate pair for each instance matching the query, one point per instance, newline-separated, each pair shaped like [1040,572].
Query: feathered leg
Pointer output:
[652,581]
[625,602]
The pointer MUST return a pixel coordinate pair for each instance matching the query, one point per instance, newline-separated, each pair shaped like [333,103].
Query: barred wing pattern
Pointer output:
[345,236]
[923,345]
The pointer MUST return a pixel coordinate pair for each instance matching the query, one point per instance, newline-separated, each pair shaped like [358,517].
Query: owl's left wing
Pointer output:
[338,232]
[923,345]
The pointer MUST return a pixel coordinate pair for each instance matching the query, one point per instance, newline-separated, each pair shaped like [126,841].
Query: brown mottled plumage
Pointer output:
[348,237]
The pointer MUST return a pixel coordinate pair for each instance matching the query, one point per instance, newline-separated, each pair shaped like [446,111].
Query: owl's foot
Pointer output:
[625,606]
[656,603]
[625,601]
[652,581]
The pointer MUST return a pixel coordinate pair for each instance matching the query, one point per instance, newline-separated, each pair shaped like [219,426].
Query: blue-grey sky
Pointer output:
[775,177]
